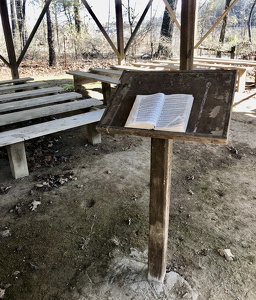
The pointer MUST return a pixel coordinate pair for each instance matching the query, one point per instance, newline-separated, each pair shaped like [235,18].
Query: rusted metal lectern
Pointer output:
[213,92]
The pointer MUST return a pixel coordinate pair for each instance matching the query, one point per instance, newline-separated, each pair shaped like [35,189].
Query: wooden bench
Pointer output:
[16,81]
[29,94]
[157,66]
[81,78]
[17,112]
[172,65]
[136,68]
[108,72]
[23,86]
[241,72]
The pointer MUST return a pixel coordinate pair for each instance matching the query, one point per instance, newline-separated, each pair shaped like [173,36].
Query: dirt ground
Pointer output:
[77,227]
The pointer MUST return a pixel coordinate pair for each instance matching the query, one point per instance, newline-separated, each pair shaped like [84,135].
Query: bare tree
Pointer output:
[250,21]
[167,30]
[50,39]
[77,17]
[21,17]
[13,17]
[223,28]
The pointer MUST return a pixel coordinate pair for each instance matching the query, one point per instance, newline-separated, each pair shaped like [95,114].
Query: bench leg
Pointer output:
[241,80]
[79,83]
[18,160]
[93,136]
[106,91]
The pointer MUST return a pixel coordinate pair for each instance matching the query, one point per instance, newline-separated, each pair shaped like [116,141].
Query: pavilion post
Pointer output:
[187,35]
[120,31]
[8,39]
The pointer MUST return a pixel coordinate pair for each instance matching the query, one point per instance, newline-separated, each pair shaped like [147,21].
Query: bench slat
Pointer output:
[132,68]
[23,104]
[27,94]
[33,131]
[23,86]
[96,77]
[49,110]
[116,73]
[19,80]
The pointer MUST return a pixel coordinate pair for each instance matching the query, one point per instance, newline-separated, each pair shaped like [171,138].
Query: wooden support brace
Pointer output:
[93,136]
[160,188]
[17,159]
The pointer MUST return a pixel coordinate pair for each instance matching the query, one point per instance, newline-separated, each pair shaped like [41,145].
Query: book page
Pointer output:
[175,113]
[145,111]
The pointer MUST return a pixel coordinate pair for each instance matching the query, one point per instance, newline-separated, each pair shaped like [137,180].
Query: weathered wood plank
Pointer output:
[109,72]
[160,188]
[157,66]
[132,68]
[23,104]
[23,86]
[33,131]
[29,94]
[228,61]
[48,110]
[95,77]
[14,81]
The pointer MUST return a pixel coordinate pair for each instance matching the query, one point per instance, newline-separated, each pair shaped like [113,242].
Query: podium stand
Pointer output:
[213,92]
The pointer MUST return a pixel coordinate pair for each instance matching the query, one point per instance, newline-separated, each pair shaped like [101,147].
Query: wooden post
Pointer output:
[188,10]
[94,137]
[161,156]
[18,161]
[8,39]
[106,91]
[160,188]
[120,31]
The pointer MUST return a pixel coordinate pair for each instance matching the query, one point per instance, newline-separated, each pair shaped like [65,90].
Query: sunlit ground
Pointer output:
[245,103]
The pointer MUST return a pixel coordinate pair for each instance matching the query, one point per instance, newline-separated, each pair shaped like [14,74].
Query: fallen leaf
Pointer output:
[227,254]
[34,204]
[5,233]
[2,292]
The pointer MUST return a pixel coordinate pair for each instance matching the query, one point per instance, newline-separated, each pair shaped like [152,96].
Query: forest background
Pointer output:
[68,32]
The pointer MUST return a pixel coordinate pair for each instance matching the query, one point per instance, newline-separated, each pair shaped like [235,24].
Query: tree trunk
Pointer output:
[223,28]
[13,17]
[21,14]
[77,17]
[250,21]
[50,39]
[167,31]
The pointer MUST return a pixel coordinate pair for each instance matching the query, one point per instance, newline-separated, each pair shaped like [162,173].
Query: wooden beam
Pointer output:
[172,14]
[120,31]
[188,10]
[216,23]
[138,26]
[101,27]
[8,39]
[5,61]
[160,189]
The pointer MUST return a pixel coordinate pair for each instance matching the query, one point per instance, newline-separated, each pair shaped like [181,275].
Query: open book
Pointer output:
[161,112]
